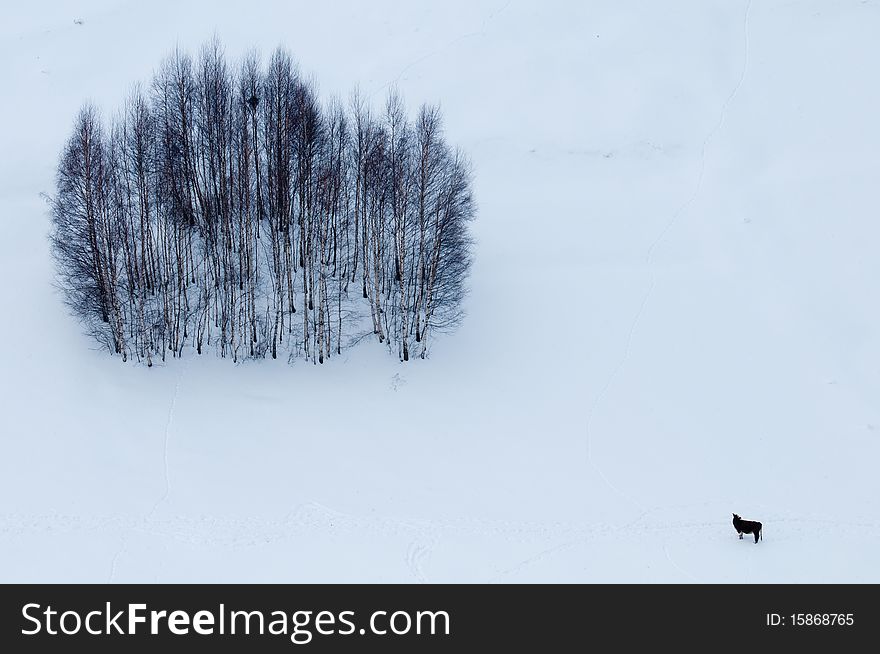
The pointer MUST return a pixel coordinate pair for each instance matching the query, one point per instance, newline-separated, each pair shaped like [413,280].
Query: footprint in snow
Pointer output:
[397,381]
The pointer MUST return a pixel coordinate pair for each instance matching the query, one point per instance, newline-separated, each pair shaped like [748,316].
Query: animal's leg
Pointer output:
[740,535]
[756,536]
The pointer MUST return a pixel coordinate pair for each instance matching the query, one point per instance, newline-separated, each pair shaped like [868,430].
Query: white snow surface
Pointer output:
[673,312]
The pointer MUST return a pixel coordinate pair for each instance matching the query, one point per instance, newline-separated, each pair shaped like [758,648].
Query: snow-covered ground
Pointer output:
[675,312]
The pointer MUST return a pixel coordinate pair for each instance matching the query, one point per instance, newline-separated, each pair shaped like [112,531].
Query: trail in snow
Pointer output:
[168,428]
[223,531]
[590,535]
[649,260]
[421,536]
[415,554]
[722,115]
[122,546]
[675,565]
[433,53]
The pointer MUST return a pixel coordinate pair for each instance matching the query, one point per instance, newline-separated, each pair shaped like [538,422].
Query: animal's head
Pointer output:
[736,517]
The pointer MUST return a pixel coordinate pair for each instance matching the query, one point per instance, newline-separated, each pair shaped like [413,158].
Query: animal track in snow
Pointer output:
[433,53]
[168,428]
[649,260]
[397,381]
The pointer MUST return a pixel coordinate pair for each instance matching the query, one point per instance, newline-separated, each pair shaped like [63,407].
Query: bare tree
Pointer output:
[226,200]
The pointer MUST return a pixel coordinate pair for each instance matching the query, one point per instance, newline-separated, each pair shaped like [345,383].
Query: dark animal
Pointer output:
[747,527]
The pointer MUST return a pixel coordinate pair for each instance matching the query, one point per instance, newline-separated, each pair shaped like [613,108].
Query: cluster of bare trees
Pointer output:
[227,208]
